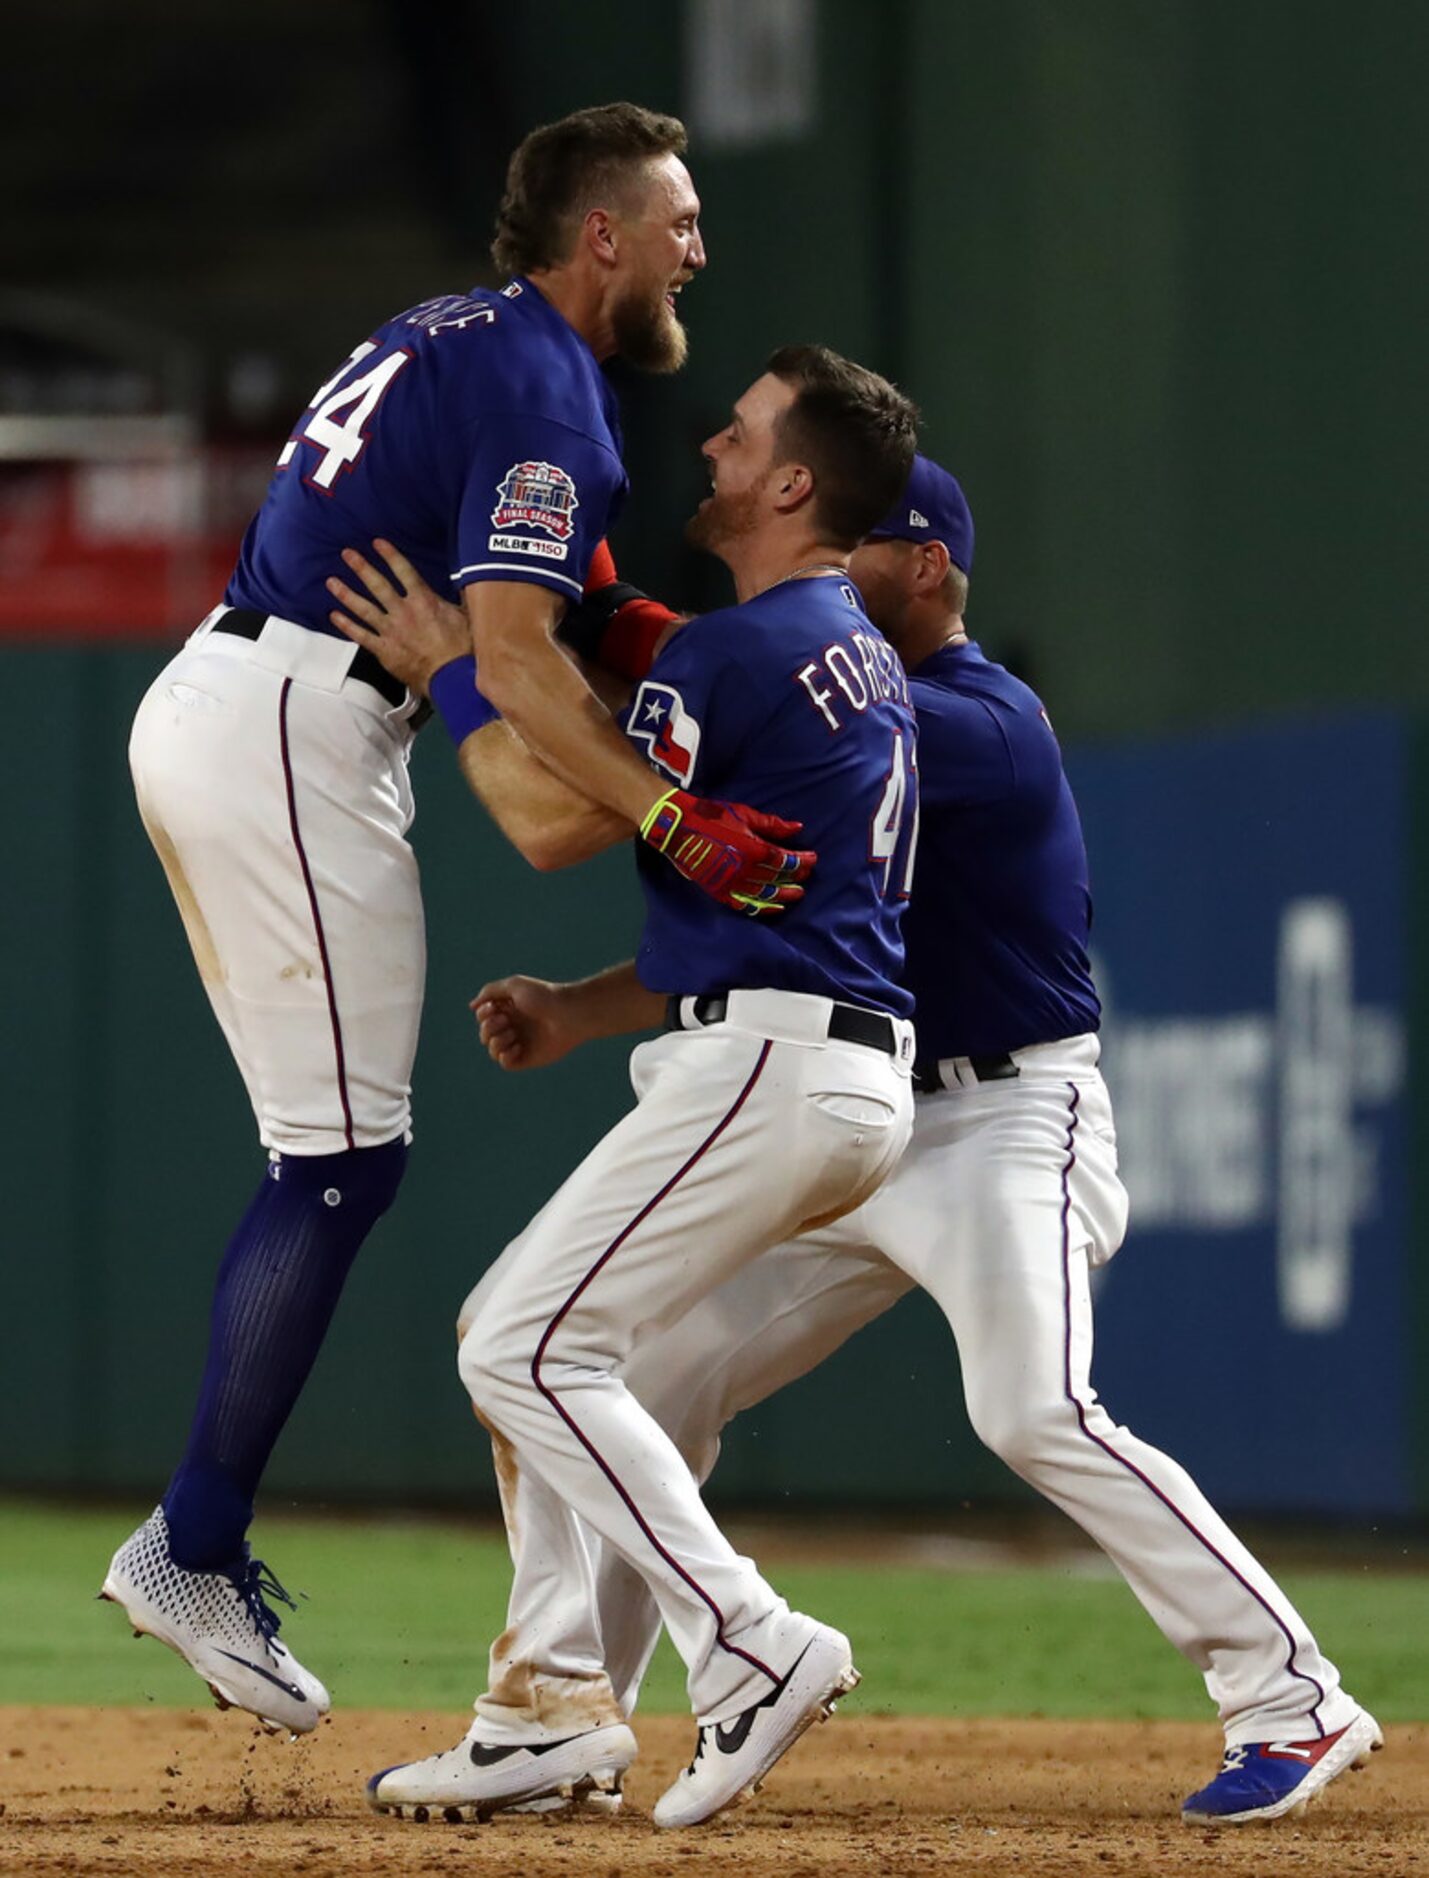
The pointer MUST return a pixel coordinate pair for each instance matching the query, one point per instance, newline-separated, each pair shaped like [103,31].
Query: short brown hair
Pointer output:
[856,432]
[562,170]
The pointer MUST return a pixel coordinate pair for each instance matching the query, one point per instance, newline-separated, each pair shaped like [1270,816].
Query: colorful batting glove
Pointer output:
[721,848]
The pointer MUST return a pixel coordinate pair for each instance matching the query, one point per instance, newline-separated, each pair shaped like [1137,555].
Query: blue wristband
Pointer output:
[453,691]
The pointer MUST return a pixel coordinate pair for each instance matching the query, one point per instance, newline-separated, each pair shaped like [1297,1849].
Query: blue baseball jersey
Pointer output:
[998,926]
[476,431]
[793,703]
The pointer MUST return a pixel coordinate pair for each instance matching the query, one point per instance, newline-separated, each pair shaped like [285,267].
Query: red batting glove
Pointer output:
[721,847]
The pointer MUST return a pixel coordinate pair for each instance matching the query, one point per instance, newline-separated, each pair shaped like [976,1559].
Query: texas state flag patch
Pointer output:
[659,720]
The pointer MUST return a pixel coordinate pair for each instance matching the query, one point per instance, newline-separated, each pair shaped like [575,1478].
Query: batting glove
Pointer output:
[721,847]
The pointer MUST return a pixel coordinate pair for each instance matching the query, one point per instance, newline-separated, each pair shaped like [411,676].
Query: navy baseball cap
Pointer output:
[931,508]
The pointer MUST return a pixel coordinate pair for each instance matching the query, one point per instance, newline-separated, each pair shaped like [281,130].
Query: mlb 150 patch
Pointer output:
[528,545]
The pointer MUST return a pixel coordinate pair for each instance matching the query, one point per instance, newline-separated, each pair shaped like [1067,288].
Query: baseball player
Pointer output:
[777,1097]
[270,763]
[1005,1201]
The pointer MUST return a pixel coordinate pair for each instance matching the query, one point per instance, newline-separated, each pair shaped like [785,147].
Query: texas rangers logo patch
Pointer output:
[536,495]
[659,720]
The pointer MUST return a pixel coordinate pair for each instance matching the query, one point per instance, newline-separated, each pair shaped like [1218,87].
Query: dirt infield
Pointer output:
[168,1793]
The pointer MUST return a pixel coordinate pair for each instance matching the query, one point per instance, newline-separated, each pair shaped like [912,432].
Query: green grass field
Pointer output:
[399,1613]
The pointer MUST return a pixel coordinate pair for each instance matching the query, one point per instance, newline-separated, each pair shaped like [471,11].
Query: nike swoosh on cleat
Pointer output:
[483,1756]
[730,1737]
[288,1688]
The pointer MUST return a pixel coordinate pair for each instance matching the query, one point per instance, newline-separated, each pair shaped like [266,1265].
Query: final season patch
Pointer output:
[536,495]
[659,720]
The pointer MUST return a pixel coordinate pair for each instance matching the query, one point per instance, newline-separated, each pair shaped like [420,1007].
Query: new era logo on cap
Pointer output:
[932,506]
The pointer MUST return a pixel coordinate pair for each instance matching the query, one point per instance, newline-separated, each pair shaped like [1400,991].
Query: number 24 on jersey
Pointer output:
[337,419]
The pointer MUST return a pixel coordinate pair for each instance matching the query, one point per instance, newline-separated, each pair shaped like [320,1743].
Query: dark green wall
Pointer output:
[1154,269]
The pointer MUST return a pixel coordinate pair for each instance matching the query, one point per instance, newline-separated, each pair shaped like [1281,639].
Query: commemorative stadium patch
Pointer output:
[659,720]
[536,495]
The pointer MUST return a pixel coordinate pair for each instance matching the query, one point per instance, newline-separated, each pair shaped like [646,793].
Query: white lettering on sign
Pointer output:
[1257,1118]
[1314,1048]
[1190,1161]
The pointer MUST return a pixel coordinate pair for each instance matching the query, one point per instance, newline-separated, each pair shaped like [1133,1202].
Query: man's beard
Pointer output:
[648,335]
[722,520]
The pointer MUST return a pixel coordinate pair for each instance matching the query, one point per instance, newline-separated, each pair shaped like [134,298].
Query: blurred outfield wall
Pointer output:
[1154,270]
[1154,273]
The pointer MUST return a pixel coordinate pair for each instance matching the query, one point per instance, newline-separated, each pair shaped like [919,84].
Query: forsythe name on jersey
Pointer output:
[838,681]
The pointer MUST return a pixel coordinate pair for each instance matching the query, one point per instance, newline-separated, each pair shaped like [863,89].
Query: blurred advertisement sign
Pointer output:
[1250,934]
[116,517]
[1268,1119]
[135,543]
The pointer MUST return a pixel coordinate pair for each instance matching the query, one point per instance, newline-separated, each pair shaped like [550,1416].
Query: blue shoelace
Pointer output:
[256,1583]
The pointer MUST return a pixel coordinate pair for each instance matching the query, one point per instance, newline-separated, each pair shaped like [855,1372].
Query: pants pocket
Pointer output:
[193,699]
[856,1107]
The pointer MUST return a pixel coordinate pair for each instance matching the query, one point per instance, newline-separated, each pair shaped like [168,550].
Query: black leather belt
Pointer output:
[928,1077]
[848,1023]
[245,623]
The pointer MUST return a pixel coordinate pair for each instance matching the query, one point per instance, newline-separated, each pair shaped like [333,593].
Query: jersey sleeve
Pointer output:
[963,752]
[537,500]
[690,717]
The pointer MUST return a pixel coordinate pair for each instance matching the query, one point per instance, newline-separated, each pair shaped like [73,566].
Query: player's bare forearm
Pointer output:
[526,1023]
[550,823]
[611,688]
[548,703]
[414,632]
[613,1003]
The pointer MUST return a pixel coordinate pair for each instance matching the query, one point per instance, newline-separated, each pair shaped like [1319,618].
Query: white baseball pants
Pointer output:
[275,791]
[1006,1198]
[743,1133]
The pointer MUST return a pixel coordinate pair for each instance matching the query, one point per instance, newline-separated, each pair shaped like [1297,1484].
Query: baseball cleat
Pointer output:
[473,1780]
[1273,1779]
[221,1624]
[732,1758]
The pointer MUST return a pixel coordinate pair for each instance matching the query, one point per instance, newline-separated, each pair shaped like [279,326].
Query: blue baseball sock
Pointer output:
[276,1292]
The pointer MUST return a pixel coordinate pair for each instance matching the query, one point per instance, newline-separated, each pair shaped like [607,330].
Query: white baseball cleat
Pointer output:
[732,1758]
[221,1624]
[477,1778]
